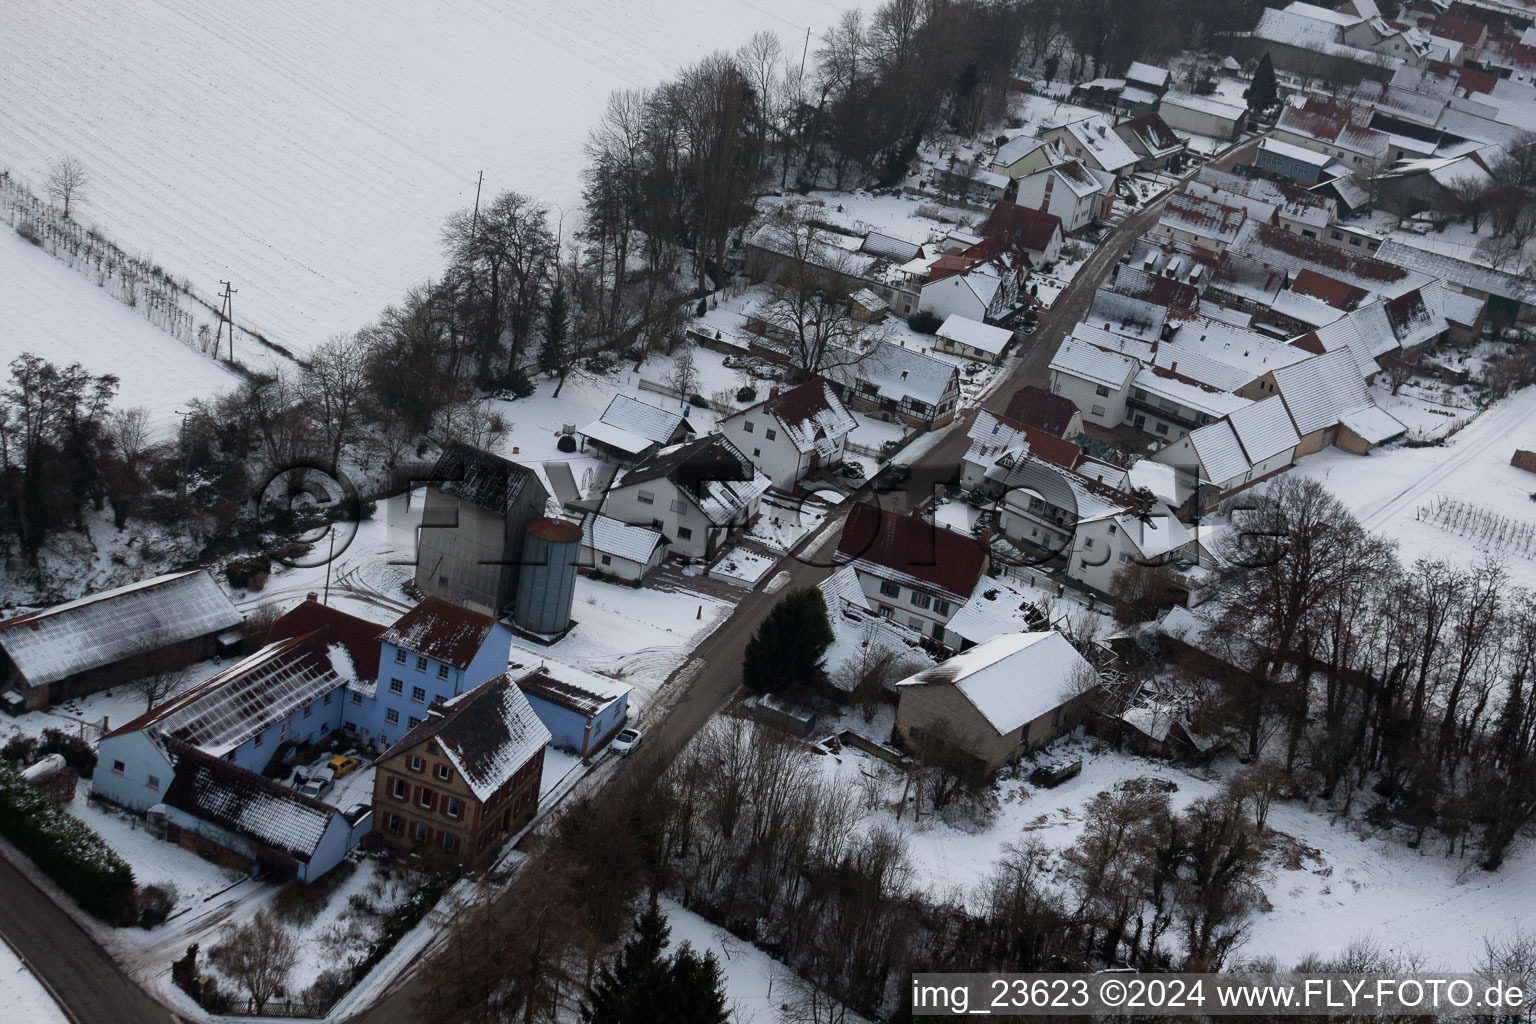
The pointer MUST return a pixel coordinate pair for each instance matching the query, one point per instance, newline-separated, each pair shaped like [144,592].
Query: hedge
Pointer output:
[64,847]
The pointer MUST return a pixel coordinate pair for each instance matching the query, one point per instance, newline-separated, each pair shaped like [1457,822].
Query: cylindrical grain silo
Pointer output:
[546,581]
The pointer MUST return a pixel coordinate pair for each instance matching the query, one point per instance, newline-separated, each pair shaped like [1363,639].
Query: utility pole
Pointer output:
[474,218]
[331,558]
[227,316]
[805,50]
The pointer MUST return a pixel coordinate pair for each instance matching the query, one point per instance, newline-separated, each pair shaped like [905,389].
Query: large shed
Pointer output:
[105,639]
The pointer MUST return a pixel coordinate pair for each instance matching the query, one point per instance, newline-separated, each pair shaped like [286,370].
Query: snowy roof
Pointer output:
[1204,218]
[1112,341]
[255,693]
[992,436]
[1248,351]
[616,437]
[1264,428]
[608,536]
[1215,106]
[908,550]
[897,250]
[1146,74]
[1459,307]
[898,372]
[1154,534]
[248,804]
[352,644]
[1123,314]
[1324,14]
[640,419]
[442,631]
[816,246]
[1292,253]
[843,585]
[1097,140]
[1311,311]
[995,609]
[812,417]
[56,643]
[1093,364]
[488,734]
[1012,679]
[1153,133]
[1250,205]
[1201,369]
[1162,480]
[974,334]
[1133,95]
[1461,272]
[1034,230]
[1291,151]
[1298,30]
[566,686]
[1078,177]
[1212,403]
[1372,423]
[711,471]
[1220,453]
[867,299]
[480,478]
[1321,391]
[1016,149]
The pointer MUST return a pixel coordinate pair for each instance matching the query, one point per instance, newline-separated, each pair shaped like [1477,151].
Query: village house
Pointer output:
[581,710]
[980,290]
[116,636]
[477,510]
[1038,408]
[996,701]
[897,384]
[1144,87]
[454,787]
[1069,190]
[792,434]
[910,570]
[432,653]
[614,548]
[1211,116]
[962,336]
[699,495]
[1091,141]
[1020,157]
[1155,144]
[1108,543]
[629,430]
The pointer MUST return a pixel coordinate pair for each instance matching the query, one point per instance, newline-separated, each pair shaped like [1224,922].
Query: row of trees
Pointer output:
[1414,685]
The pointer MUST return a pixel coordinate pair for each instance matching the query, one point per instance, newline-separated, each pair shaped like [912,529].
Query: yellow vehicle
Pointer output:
[342,765]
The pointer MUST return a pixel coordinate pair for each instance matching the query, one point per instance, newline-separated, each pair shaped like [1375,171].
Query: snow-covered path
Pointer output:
[309,152]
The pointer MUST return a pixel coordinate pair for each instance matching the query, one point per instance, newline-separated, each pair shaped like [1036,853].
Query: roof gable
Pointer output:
[488,734]
[442,631]
[910,548]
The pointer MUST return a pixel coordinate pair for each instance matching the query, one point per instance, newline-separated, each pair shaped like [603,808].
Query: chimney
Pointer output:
[773,392]
[312,596]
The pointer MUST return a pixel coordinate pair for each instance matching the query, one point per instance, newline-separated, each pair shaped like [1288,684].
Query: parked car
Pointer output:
[626,741]
[316,786]
[892,477]
[341,765]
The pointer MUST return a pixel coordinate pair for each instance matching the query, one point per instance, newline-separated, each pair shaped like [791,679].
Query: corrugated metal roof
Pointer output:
[56,643]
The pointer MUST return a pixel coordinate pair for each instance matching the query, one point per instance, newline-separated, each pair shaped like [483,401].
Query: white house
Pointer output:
[1070,190]
[698,494]
[1211,116]
[981,293]
[1105,544]
[1094,380]
[962,336]
[1023,155]
[793,433]
[619,549]
[1095,143]
[897,383]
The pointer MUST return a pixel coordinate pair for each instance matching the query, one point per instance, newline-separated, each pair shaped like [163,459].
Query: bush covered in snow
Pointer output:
[65,848]
[22,750]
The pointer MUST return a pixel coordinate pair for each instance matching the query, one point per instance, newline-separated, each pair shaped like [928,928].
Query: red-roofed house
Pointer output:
[792,434]
[1037,233]
[910,570]
[1038,408]
[1338,294]
[1153,142]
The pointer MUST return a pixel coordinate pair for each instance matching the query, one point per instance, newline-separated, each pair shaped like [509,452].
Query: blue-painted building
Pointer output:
[582,711]
[434,652]
[323,671]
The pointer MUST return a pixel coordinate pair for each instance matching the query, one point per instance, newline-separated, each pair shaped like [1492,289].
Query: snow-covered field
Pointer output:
[309,154]
[1391,490]
[22,996]
[51,311]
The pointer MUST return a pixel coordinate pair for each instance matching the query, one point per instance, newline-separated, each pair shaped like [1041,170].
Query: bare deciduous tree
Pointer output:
[258,956]
[67,182]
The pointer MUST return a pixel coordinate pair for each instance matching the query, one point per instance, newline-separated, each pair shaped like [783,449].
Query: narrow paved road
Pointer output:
[69,960]
[98,992]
